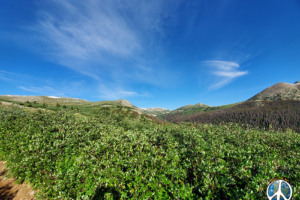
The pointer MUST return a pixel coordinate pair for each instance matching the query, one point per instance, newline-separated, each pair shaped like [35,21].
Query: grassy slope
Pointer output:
[44,99]
[62,101]
[114,153]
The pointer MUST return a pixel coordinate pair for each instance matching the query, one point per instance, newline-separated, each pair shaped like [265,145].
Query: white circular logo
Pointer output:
[279,190]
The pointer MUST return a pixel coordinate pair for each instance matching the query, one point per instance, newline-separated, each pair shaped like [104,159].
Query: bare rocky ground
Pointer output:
[9,190]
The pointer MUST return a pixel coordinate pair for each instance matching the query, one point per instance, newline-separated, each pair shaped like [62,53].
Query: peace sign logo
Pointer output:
[279,190]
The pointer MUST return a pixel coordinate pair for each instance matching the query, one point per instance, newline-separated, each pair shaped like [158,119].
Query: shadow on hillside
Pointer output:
[101,193]
[5,192]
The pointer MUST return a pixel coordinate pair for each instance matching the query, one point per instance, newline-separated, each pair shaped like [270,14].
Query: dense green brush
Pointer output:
[114,155]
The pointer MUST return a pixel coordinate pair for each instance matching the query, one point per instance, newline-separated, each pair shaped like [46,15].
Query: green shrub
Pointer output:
[69,156]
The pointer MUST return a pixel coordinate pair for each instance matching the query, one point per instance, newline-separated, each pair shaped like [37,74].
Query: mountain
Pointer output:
[192,109]
[183,111]
[154,111]
[279,91]
[164,111]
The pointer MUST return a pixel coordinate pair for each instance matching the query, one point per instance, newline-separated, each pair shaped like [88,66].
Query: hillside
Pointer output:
[142,153]
[51,100]
[279,91]
[192,109]
[111,152]
[155,111]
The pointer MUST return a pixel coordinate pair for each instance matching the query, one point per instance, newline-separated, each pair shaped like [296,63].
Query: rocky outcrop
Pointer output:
[154,111]
[124,102]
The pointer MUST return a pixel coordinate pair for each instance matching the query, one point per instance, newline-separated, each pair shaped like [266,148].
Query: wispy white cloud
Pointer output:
[70,86]
[91,36]
[42,90]
[115,92]
[225,71]
[111,41]
[10,76]
[83,31]
[4,78]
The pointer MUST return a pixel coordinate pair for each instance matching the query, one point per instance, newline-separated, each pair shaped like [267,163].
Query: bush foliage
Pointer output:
[115,154]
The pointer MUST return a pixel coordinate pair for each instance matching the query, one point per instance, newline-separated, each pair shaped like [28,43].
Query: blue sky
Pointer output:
[159,53]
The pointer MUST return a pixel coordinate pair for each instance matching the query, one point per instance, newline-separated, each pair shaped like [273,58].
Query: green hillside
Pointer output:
[43,99]
[51,100]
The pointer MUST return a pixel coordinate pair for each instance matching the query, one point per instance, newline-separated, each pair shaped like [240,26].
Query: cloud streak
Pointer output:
[83,32]
[42,90]
[115,92]
[225,71]
[67,87]
[84,35]
[10,76]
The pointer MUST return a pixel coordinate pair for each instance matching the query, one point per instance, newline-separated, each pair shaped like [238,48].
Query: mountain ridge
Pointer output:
[279,91]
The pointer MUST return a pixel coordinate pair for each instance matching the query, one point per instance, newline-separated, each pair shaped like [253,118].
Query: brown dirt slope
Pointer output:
[9,190]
